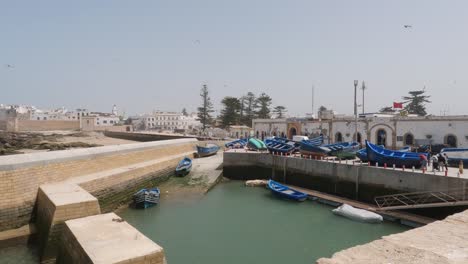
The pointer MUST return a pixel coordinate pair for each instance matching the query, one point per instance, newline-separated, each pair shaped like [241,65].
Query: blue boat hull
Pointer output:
[277,146]
[286,192]
[240,143]
[184,167]
[146,198]
[383,156]
[207,151]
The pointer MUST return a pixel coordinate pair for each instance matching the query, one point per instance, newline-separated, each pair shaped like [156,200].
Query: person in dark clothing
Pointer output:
[443,159]
[435,162]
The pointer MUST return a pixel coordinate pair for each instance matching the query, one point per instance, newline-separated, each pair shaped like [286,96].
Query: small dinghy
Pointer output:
[256,144]
[208,150]
[184,167]
[145,198]
[239,143]
[286,192]
[357,214]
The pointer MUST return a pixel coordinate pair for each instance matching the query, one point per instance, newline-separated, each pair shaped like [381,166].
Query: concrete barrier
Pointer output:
[21,175]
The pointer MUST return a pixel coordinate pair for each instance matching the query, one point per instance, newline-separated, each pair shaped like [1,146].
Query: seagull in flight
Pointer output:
[408,26]
[9,66]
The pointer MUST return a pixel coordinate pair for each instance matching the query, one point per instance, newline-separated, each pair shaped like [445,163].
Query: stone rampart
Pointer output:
[103,171]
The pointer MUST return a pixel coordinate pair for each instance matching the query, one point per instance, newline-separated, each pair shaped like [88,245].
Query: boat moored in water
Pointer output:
[145,198]
[286,192]
[357,214]
[184,167]
[379,155]
[208,150]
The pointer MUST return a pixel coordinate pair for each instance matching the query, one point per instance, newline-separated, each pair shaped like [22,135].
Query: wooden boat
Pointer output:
[280,146]
[312,147]
[393,157]
[362,153]
[342,147]
[256,144]
[208,150]
[145,198]
[239,143]
[184,167]
[286,192]
[455,155]
[357,214]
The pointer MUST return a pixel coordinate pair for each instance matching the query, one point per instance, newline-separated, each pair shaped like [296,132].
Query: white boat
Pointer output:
[358,214]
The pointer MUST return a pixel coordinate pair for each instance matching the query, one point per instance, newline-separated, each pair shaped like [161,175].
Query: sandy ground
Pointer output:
[94,138]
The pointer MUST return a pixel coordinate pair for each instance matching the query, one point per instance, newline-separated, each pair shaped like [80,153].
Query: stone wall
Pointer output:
[21,175]
[355,182]
[3,125]
[46,125]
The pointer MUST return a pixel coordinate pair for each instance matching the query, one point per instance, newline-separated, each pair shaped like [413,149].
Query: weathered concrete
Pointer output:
[107,239]
[21,175]
[352,181]
[441,242]
[57,203]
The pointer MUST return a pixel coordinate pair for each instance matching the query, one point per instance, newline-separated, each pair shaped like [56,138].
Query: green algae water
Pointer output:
[237,224]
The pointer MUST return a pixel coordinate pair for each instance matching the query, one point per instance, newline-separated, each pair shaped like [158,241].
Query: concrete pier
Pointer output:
[441,242]
[56,204]
[106,239]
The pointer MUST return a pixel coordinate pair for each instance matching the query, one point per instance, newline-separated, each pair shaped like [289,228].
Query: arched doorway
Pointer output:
[381,137]
[338,137]
[408,139]
[292,132]
[358,138]
[451,140]
[282,135]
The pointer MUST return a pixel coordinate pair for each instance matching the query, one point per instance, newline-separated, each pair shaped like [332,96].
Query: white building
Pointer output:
[391,131]
[168,121]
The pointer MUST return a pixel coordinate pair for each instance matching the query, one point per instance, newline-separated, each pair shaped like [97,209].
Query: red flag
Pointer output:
[397,105]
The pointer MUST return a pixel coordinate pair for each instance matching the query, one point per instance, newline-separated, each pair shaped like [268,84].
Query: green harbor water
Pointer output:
[237,224]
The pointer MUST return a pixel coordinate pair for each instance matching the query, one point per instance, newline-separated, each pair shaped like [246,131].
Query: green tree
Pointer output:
[416,102]
[322,108]
[184,112]
[279,111]
[230,114]
[263,103]
[205,110]
[248,111]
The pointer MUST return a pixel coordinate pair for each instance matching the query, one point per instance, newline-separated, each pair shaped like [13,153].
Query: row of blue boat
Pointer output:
[145,198]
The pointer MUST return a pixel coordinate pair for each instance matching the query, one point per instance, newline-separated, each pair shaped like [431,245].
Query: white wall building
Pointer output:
[393,131]
[168,121]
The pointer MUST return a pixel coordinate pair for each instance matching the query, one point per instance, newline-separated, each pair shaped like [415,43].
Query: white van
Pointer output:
[299,138]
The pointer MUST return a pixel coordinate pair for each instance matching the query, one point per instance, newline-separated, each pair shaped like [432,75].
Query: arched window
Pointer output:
[408,139]
[292,132]
[451,140]
[338,137]
[282,134]
[381,137]
[258,134]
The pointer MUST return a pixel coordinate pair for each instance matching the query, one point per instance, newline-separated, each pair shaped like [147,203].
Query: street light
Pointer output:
[355,109]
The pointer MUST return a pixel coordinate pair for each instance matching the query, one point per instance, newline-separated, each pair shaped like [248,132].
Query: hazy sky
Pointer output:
[145,55]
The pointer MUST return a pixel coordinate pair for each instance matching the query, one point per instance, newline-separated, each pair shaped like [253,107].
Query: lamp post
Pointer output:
[363,89]
[355,109]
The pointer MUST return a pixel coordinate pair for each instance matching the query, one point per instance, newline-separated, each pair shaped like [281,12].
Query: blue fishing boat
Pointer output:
[208,150]
[280,146]
[184,167]
[145,198]
[239,143]
[312,147]
[362,153]
[393,157]
[286,192]
[342,147]
[456,155]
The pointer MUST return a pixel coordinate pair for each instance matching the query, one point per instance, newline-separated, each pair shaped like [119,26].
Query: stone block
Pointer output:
[106,239]
[57,203]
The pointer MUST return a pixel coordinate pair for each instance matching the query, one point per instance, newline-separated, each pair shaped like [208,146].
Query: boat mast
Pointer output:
[363,89]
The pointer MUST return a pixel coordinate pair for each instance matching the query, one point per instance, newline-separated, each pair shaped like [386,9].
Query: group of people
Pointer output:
[438,160]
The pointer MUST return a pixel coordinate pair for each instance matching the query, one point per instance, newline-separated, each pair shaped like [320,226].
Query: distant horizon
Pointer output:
[157,54]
